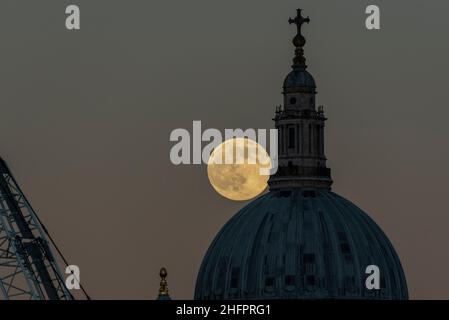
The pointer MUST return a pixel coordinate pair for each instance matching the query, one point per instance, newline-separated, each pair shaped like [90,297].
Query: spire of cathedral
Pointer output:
[300,125]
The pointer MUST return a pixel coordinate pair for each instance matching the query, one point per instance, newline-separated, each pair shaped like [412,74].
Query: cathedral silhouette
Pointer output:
[300,240]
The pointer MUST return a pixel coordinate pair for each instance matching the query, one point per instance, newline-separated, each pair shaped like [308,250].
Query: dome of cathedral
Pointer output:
[300,243]
[301,240]
[299,78]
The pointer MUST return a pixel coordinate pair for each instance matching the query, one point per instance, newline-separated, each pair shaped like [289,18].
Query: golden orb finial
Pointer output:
[163,290]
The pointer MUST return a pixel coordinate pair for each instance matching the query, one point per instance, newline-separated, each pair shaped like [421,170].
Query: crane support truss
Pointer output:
[28,269]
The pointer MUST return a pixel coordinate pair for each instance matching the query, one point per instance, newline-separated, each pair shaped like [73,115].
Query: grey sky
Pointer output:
[86,118]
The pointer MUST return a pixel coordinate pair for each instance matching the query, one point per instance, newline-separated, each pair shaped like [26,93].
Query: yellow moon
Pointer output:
[240,179]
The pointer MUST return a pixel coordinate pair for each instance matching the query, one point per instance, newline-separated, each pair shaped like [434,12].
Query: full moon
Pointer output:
[241,178]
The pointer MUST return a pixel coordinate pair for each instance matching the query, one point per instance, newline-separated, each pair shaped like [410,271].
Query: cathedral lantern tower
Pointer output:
[300,125]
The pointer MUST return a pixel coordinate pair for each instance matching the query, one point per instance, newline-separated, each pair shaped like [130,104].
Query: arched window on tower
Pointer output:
[291,138]
[310,138]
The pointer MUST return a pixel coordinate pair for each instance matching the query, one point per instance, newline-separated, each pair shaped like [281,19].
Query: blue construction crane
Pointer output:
[28,269]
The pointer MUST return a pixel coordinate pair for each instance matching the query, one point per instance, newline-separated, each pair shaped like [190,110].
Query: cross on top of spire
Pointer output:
[299,21]
[299,61]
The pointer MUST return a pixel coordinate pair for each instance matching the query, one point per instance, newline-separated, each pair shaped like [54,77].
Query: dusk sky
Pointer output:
[86,118]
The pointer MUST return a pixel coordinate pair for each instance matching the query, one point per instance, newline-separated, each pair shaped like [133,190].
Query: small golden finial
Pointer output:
[163,290]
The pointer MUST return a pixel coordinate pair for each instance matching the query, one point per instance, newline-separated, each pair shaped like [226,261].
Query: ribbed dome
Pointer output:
[299,244]
[299,78]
